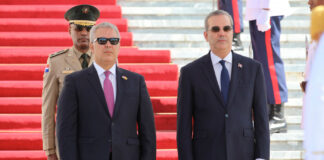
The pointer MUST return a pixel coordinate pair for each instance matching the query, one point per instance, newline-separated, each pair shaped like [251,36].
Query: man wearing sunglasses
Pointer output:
[81,18]
[104,112]
[264,18]
[221,105]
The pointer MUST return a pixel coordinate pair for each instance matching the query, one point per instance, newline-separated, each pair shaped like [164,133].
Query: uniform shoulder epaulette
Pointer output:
[58,53]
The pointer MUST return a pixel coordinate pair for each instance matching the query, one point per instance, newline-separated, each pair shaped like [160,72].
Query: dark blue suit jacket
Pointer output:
[209,130]
[85,129]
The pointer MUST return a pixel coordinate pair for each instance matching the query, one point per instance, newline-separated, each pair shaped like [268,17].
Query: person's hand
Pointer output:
[52,157]
[263,20]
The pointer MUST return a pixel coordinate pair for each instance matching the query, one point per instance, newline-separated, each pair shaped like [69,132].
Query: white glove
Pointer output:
[263,20]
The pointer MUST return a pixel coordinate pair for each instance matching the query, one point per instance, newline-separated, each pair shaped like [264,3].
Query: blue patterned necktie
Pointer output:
[225,81]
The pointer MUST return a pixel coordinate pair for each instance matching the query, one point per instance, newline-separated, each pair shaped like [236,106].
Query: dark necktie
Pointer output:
[84,63]
[225,81]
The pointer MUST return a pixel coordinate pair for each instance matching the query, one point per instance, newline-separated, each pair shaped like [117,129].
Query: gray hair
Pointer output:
[102,25]
[217,13]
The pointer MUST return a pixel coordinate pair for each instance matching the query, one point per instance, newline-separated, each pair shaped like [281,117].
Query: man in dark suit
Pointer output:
[101,107]
[222,113]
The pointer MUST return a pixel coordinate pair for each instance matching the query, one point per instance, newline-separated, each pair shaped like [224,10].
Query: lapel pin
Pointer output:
[240,65]
[124,77]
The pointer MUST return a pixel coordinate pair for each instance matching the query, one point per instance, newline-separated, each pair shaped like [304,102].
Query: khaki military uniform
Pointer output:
[59,65]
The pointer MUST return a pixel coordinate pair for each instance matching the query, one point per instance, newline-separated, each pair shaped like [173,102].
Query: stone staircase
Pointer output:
[178,25]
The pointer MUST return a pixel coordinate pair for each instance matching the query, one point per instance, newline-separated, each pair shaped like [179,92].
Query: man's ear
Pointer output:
[69,29]
[206,36]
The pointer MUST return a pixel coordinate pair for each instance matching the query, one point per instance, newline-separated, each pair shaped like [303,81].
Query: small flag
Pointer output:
[46,70]
[240,65]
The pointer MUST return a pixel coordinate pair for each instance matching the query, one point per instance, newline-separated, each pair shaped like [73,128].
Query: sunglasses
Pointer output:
[103,40]
[79,28]
[217,29]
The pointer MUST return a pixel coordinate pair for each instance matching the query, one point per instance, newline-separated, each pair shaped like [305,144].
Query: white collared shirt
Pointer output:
[218,67]
[102,77]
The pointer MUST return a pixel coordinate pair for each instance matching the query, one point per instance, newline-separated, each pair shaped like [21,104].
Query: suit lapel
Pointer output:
[235,76]
[120,84]
[95,82]
[210,74]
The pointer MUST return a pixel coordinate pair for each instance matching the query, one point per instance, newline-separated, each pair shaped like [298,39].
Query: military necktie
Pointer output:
[84,63]
[225,81]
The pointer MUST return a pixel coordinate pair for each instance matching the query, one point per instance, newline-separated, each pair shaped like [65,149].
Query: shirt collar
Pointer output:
[101,71]
[215,59]
[79,54]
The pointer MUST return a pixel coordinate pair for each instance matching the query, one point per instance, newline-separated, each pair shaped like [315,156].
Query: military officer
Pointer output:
[81,18]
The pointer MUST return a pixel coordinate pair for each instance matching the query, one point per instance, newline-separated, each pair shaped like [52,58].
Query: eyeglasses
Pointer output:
[217,29]
[103,40]
[80,27]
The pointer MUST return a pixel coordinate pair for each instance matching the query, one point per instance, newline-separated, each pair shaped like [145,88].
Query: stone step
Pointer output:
[180,24]
[176,40]
[196,11]
[287,54]
[187,2]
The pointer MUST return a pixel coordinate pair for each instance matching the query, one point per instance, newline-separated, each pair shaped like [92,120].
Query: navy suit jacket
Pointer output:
[207,129]
[85,129]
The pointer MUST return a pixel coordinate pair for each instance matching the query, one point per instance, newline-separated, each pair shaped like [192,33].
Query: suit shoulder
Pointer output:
[248,60]
[126,73]
[59,53]
[196,62]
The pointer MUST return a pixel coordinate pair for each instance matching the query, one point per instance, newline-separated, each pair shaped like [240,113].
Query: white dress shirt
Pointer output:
[218,67]
[102,77]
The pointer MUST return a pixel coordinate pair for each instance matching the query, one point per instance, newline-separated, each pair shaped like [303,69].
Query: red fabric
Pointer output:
[40,155]
[272,68]
[43,31]
[74,2]
[236,17]
[30,105]
[33,140]
[27,122]
[150,72]
[49,24]
[34,88]
[52,11]
[38,55]
[48,39]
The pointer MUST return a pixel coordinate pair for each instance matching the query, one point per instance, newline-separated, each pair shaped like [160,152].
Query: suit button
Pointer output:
[226,115]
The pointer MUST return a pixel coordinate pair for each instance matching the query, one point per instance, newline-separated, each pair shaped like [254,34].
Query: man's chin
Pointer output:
[84,47]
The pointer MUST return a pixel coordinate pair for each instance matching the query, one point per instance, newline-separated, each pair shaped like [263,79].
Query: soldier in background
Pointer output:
[264,18]
[81,18]
[313,100]
[234,8]
[310,48]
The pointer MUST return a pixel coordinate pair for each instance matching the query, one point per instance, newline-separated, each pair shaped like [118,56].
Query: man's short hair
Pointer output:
[102,25]
[217,13]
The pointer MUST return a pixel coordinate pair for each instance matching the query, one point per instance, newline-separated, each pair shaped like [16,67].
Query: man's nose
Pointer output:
[84,31]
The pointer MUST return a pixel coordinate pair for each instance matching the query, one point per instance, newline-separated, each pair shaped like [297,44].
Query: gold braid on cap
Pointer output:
[83,22]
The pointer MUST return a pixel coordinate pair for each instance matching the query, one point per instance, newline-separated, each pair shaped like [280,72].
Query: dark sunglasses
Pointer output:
[103,40]
[217,29]
[80,27]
